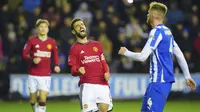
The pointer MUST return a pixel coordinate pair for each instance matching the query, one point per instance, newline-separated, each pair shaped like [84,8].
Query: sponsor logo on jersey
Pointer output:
[95,49]
[90,59]
[49,46]
[39,53]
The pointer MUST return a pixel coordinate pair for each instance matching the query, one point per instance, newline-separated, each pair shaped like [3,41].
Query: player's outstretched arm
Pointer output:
[142,56]
[184,67]
[155,38]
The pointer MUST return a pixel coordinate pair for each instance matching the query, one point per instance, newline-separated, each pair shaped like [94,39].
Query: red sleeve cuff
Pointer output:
[75,71]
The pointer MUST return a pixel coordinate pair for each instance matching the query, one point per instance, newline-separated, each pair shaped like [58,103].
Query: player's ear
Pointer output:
[47,30]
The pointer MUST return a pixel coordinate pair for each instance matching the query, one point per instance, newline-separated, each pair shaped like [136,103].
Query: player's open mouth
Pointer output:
[82,30]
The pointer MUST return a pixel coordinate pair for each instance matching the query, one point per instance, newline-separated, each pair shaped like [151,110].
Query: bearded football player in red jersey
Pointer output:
[38,52]
[87,61]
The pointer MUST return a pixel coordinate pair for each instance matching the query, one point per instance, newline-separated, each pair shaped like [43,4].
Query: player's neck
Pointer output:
[155,23]
[42,37]
[83,41]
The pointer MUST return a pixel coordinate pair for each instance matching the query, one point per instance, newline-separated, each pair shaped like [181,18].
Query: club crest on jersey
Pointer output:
[49,46]
[95,49]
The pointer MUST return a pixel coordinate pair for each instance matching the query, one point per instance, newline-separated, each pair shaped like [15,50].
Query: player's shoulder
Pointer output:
[95,42]
[51,39]
[31,38]
[74,46]
[155,31]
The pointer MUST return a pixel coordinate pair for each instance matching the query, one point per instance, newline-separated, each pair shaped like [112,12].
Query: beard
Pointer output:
[81,34]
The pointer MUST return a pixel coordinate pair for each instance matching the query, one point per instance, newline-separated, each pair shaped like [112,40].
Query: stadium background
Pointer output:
[114,23]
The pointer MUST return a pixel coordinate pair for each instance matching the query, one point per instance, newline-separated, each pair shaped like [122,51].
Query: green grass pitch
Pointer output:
[119,106]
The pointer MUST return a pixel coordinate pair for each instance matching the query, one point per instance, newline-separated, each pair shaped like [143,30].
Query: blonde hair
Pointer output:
[39,21]
[158,6]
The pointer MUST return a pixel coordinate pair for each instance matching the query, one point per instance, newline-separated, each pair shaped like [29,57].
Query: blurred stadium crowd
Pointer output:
[114,23]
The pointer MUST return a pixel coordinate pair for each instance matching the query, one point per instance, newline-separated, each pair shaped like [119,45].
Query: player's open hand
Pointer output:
[107,76]
[122,50]
[36,60]
[191,84]
[81,70]
[57,69]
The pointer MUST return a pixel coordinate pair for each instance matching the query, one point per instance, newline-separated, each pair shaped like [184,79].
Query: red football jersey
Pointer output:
[40,49]
[90,56]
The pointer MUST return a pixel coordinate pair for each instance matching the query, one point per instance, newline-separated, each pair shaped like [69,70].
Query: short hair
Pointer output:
[74,21]
[158,6]
[40,21]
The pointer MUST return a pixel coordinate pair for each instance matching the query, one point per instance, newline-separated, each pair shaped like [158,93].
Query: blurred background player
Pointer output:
[86,60]
[160,47]
[38,52]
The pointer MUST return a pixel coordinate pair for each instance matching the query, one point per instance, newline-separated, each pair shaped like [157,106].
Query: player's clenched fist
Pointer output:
[36,60]
[107,76]
[81,70]
[191,84]
[122,50]
[57,69]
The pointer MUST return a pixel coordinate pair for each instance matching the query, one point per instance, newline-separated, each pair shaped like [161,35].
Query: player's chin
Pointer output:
[43,33]
[82,35]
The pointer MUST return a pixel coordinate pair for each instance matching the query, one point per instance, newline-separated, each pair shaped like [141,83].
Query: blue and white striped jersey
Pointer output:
[160,47]
[161,41]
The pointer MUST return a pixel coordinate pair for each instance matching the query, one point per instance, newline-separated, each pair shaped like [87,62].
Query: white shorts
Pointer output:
[36,83]
[91,94]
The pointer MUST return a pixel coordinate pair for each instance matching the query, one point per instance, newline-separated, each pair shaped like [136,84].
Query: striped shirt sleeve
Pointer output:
[155,38]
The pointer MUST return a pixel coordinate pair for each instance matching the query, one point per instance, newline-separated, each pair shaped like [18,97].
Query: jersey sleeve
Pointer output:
[103,60]
[155,38]
[181,60]
[26,51]
[55,53]
[140,56]
[72,62]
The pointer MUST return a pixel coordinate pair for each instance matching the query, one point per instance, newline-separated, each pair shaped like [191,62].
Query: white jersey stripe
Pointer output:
[155,63]
[157,42]
[162,77]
